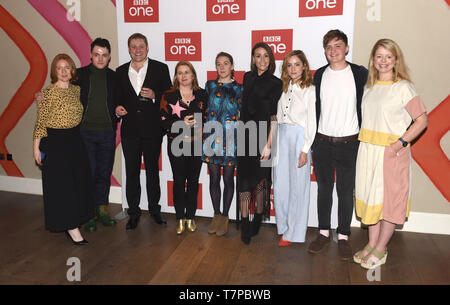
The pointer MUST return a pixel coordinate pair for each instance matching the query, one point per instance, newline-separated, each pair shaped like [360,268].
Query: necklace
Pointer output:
[186,98]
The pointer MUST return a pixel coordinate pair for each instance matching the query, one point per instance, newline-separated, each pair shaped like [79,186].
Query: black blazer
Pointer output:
[84,81]
[360,74]
[146,122]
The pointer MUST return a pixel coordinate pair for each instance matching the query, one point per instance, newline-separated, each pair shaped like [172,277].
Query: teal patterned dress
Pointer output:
[223,107]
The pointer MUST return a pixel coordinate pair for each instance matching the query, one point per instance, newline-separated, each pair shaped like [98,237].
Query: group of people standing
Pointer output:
[355,124]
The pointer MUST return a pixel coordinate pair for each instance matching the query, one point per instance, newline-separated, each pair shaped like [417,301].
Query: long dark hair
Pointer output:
[266,47]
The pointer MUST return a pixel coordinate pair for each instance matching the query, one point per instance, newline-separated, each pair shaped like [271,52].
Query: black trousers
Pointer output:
[66,180]
[100,146]
[186,172]
[133,148]
[330,158]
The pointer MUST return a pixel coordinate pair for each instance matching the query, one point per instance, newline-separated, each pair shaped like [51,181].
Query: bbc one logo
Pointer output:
[314,8]
[221,10]
[280,41]
[141,10]
[183,46]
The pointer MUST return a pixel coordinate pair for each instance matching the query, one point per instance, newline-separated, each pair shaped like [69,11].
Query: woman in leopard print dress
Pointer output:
[59,149]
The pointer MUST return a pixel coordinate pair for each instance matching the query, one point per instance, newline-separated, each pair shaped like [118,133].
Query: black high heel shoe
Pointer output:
[76,243]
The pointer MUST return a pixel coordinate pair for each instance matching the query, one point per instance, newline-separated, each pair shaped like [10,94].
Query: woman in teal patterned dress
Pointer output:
[219,138]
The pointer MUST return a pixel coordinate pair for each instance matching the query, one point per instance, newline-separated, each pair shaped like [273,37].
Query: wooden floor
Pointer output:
[154,254]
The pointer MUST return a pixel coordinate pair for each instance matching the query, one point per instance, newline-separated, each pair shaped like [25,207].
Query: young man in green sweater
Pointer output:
[99,124]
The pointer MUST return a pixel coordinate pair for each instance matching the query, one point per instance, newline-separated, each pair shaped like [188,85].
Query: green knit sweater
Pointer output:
[96,116]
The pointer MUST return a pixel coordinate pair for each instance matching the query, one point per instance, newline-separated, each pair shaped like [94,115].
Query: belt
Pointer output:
[337,139]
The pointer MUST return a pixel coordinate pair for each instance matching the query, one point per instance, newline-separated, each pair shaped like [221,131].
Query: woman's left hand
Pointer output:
[189,120]
[302,159]
[265,154]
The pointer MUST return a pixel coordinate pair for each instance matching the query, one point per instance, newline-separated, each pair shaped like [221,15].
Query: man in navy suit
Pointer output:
[141,83]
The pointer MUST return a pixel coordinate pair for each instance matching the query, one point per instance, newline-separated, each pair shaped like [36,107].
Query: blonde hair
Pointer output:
[400,68]
[305,80]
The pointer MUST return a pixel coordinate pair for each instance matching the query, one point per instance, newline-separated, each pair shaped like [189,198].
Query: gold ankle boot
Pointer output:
[191,226]
[180,226]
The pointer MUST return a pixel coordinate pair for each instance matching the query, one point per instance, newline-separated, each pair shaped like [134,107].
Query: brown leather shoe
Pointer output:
[319,244]
[345,251]
[222,226]
[213,226]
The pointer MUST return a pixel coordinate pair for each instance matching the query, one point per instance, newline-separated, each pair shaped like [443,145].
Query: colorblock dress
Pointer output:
[383,178]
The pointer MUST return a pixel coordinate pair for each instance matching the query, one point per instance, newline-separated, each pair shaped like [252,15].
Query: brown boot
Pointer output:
[213,226]
[222,227]
[345,250]
[319,244]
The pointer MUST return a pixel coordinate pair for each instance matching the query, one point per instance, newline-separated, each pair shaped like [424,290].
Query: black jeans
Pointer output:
[100,146]
[133,148]
[329,158]
[186,172]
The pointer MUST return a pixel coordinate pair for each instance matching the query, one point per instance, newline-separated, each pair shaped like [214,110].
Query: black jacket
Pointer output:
[84,81]
[360,74]
[143,118]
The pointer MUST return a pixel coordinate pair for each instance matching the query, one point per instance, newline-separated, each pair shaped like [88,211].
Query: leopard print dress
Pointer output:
[66,175]
[60,108]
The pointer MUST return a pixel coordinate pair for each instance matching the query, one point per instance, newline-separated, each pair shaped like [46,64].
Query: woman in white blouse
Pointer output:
[296,118]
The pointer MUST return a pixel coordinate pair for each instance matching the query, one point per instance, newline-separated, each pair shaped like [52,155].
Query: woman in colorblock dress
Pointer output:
[296,118]
[383,167]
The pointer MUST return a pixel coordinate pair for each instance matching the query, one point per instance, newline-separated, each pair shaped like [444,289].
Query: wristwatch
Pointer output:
[404,143]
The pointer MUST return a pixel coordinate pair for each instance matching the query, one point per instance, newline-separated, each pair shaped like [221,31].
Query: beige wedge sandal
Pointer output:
[368,262]
[358,256]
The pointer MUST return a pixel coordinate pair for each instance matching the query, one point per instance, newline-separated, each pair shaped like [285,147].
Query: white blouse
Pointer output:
[297,107]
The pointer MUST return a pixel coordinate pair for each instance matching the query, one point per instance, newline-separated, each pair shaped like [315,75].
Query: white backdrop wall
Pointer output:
[197,30]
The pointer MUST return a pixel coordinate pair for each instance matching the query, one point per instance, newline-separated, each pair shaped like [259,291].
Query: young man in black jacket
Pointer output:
[339,91]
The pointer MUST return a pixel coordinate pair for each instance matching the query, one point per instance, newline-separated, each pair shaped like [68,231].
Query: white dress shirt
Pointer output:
[137,78]
[297,107]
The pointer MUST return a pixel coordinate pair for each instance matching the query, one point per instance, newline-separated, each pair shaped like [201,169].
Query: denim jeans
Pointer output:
[101,146]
